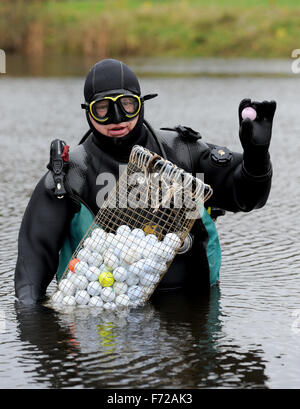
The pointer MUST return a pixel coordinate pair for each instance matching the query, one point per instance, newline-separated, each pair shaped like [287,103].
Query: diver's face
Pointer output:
[115,130]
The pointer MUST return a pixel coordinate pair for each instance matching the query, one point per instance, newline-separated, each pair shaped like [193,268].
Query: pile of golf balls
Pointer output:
[118,269]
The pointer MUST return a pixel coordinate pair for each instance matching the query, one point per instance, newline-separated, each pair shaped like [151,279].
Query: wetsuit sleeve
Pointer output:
[234,188]
[43,229]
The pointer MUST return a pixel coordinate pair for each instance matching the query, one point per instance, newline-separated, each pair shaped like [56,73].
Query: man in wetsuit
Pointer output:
[115,114]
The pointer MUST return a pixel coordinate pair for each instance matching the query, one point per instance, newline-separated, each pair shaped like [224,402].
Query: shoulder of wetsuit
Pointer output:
[183,146]
[74,173]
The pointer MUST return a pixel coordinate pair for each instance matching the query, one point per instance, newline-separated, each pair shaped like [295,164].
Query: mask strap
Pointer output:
[149,96]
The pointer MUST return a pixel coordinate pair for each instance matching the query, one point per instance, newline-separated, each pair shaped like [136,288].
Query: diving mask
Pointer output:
[108,109]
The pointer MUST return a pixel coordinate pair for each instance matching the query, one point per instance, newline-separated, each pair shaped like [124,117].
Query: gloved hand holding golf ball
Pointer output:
[256,120]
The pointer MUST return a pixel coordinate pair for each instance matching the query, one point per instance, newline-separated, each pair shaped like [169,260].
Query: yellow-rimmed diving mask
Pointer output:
[107,109]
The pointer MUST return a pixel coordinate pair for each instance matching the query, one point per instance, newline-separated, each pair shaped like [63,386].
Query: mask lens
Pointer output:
[100,108]
[129,104]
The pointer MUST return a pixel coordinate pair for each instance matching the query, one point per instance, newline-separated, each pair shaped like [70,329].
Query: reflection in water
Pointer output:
[175,341]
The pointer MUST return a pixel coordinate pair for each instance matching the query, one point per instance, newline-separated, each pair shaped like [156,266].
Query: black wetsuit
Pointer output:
[47,219]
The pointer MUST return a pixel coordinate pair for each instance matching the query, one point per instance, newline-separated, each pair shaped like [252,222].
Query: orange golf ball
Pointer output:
[73,263]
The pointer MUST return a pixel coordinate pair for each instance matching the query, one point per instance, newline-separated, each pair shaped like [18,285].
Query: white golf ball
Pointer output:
[96,301]
[120,274]
[70,275]
[151,238]
[154,266]
[95,259]
[83,255]
[123,230]
[98,234]
[110,239]
[166,252]
[120,287]
[103,267]
[109,306]
[93,273]
[80,281]
[120,239]
[69,300]
[81,267]
[130,255]
[107,294]
[90,244]
[149,279]
[94,288]
[138,233]
[82,297]
[172,240]
[132,279]
[136,268]
[58,297]
[135,292]
[148,251]
[148,289]
[66,286]
[122,300]
[111,260]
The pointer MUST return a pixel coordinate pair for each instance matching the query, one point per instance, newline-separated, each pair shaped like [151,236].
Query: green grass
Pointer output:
[129,28]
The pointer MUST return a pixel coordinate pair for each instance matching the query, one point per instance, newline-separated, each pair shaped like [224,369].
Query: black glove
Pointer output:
[255,136]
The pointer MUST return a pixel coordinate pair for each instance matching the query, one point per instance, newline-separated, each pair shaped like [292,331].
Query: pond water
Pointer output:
[244,334]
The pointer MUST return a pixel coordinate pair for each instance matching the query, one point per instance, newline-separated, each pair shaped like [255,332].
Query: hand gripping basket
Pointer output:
[135,235]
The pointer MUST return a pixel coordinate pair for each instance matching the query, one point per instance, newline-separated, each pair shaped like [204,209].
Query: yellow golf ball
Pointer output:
[106,279]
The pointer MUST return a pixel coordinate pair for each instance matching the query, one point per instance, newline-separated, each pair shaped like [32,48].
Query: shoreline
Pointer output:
[128,28]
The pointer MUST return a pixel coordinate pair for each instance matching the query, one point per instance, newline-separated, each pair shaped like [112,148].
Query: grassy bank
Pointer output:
[128,28]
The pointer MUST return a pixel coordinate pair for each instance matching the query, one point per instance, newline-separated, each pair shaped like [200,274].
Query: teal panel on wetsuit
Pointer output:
[213,248]
[80,224]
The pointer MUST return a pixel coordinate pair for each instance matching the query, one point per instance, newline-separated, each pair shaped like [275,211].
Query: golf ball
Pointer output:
[90,244]
[120,287]
[134,292]
[80,282]
[110,240]
[111,260]
[149,279]
[83,254]
[120,274]
[66,286]
[249,112]
[172,240]
[69,300]
[107,294]
[138,233]
[93,273]
[122,300]
[106,279]
[136,268]
[109,306]
[94,288]
[130,255]
[81,267]
[98,234]
[151,238]
[123,230]
[96,301]
[132,279]
[82,297]
[95,259]
[58,297]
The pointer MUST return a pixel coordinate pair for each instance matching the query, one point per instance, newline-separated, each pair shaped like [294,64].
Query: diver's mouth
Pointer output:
[118,131]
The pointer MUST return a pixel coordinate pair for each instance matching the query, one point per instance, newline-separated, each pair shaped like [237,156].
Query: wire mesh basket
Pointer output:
[135,235]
